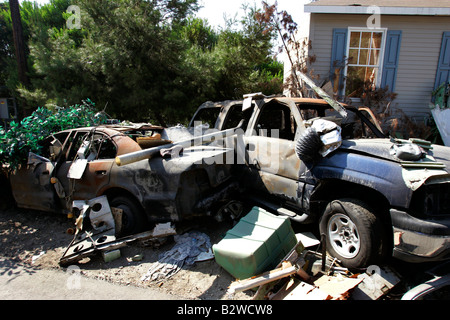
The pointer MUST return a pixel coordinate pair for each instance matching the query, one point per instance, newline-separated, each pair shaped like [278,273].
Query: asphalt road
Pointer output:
[20,282]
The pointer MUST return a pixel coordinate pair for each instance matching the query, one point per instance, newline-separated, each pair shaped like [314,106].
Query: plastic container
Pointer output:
[256,244]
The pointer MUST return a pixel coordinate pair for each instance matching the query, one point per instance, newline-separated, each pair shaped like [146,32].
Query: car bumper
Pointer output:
[417,240]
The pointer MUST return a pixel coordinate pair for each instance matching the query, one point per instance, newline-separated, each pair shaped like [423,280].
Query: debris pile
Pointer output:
[261,251]
[189,248]
[253,245]
[97,229]
[308,275]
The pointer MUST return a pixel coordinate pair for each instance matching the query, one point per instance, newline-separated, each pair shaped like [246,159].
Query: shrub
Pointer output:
[24,137]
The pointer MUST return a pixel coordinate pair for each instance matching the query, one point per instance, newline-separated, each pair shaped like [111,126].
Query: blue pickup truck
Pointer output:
[371,197]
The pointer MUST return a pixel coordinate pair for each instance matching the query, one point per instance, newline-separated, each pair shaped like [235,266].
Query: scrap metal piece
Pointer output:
[333,103]
[77,169]
[98,223]
[101,243]
[441,114]
[147,154]
[101,215]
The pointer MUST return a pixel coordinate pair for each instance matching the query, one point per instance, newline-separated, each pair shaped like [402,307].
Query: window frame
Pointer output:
[382,53]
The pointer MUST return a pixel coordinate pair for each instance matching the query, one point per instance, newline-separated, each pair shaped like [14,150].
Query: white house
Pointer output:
[402,44]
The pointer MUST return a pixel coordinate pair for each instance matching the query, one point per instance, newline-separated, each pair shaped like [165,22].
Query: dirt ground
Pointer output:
[39,239]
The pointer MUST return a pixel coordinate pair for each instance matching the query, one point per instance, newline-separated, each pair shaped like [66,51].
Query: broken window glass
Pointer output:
[235,115]
[277,121]
[207,116]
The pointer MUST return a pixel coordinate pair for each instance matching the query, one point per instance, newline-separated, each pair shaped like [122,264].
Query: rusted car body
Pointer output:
[160,189]
[367,199]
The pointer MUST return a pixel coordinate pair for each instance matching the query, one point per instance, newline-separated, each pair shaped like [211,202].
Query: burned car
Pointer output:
[370,196]
[80,164]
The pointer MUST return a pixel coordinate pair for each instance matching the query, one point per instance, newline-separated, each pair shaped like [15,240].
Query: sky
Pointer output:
[214,10]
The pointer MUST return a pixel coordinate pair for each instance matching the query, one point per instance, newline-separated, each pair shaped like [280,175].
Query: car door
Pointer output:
[99,151]
[270,148]
[31,184]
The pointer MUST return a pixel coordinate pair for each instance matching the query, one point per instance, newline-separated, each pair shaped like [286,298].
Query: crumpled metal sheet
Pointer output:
[188,248]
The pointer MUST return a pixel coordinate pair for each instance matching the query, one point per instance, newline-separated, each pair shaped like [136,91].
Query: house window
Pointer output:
[365,55]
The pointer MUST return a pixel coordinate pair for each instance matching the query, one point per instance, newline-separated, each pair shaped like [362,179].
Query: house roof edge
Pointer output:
[413,11]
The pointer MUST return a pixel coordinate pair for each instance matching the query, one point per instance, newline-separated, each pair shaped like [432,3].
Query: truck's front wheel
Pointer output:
[353,233]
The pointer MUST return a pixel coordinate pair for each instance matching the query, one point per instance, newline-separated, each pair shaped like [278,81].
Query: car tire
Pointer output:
[133,219]
[353,233]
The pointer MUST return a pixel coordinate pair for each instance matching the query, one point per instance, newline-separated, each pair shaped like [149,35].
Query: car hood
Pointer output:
[381,148]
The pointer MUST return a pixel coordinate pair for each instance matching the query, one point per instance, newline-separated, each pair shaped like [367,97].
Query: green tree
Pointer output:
[238,63]
[146,60]
[36,21]
[128,60]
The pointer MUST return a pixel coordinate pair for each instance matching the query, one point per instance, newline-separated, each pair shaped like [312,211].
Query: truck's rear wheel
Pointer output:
[353,233]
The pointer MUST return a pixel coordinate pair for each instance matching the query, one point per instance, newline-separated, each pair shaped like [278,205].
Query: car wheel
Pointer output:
[133,219]
[353,233]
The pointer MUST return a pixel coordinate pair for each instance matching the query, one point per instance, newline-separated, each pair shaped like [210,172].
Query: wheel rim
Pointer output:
[344,236]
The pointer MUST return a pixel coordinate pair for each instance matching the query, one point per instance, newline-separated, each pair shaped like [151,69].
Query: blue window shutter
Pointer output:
[391,58]
[338,54]
[443,71]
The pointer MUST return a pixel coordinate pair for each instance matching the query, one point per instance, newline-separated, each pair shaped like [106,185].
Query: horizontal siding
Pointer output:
[421,43]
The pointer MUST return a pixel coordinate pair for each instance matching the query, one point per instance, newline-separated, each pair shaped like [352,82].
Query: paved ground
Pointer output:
[20,282]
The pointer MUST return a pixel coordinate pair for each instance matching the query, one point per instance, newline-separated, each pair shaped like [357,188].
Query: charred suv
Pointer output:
[370,196]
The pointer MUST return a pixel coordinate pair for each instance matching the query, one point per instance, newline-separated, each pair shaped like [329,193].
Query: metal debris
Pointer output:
[96,232]
[376,282]
[308,275]
[189,248]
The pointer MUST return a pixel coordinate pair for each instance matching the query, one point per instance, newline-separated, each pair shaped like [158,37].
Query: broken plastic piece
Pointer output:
[109,256]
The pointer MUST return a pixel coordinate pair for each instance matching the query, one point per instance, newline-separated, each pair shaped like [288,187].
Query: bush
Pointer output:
[25,137]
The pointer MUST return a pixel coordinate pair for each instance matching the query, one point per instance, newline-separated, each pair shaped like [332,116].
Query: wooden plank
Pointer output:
[270,276]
